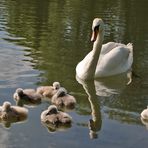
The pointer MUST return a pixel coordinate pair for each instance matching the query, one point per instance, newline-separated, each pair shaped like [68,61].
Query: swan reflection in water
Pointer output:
[108,88]
[96,121]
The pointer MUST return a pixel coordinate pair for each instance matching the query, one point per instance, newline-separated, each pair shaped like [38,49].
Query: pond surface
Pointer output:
[42,42]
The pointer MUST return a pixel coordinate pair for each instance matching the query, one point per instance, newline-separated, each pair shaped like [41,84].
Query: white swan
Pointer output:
[107,59]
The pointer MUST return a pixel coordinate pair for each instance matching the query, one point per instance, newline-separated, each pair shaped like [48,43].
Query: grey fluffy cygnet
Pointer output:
[53,116]
[28,96]
[9,112]
[48,91]
[63,99]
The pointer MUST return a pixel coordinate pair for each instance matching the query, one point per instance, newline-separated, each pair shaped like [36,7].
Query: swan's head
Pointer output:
[97,26]
[19,91]
[6,106]
[56,85]
[52,109]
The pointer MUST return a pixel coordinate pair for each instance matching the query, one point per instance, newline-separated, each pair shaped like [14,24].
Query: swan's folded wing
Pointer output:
[109,46]
[113,62]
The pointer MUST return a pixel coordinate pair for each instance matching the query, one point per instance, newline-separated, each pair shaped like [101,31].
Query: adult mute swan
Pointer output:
[107,59]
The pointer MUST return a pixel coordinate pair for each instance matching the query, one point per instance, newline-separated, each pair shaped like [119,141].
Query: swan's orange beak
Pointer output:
[94,35]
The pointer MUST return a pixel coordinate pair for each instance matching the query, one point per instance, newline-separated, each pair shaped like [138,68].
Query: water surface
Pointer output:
[42,42]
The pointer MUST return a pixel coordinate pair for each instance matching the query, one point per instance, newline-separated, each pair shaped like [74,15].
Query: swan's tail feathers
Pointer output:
[130,61]
[130,46]
[129,76]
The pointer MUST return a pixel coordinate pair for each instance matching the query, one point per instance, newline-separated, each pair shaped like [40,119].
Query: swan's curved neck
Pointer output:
[98,43]
[92,63]
[94,104]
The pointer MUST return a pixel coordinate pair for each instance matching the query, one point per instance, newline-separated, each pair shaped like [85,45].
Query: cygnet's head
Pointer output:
[61,92]
[19,91]
[52,109]
[56,85]
[6,106]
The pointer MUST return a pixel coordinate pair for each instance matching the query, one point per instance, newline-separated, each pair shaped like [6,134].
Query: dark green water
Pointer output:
[42,41]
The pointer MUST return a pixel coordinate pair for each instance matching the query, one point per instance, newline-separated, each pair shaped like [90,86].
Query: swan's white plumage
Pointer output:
[113,58]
